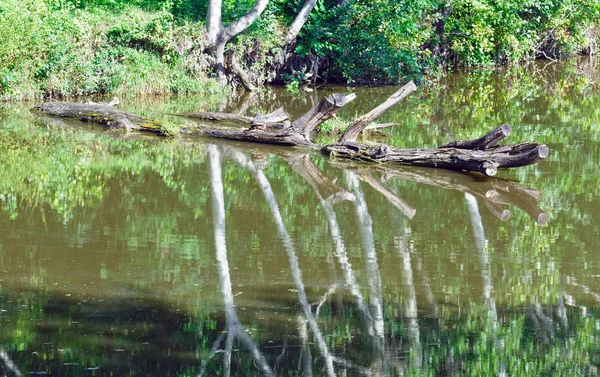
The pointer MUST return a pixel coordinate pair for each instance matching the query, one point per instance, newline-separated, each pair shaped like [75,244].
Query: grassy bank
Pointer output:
[54,52]
[57,48]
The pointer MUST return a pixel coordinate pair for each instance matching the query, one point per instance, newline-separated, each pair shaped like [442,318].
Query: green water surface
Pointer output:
[132,255]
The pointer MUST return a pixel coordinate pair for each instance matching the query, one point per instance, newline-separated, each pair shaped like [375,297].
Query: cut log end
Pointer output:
[490,169]
[543,151]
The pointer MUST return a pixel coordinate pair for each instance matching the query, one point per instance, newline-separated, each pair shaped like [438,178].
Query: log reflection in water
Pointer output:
[10,365]
[234,327]
[265,186]
[397,202]
[495,193]
[328,193]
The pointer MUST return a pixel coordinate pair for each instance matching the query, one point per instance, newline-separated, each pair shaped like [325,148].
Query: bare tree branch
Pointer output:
[299,21]
[246,20]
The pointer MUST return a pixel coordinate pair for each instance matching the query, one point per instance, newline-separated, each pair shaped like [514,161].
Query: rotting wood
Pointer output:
[325,109]
[480,155]
[100,113]
[487,162]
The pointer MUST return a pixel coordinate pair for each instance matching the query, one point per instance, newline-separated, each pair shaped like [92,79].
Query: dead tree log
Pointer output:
[486,141]
[299,132]
[356,127]
[325,109]
[276,117]
[487,162]
[100,113]
[479,155]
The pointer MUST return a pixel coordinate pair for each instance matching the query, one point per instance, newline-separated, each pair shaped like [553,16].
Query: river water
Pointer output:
[125,255]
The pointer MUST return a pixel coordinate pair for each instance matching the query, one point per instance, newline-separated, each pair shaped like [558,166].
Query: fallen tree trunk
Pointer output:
[277,117]
[100,113]
[487,161]
[479,155]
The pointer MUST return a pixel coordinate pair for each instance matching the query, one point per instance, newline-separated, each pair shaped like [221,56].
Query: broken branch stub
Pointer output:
[486,141]
[325,109]
[356,127]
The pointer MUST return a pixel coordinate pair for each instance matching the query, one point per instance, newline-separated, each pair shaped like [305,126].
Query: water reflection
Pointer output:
[329,192]
[128,256]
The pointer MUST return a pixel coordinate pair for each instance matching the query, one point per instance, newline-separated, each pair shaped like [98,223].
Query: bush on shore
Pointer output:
[55,48]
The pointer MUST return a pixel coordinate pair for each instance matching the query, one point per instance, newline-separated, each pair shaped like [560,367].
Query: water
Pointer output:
[138,256]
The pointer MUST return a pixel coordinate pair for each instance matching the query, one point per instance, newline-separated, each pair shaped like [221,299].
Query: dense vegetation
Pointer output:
[77,47]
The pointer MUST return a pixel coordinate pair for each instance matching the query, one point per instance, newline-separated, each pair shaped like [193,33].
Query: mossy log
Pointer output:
[100,113]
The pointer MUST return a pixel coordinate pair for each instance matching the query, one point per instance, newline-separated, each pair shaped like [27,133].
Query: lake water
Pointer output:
[125,255]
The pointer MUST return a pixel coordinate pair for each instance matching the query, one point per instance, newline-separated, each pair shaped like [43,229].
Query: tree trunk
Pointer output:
[276,118]
[486,162]
[325,109]
[218,36]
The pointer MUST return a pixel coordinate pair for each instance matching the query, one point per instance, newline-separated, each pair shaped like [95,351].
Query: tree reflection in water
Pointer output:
[328,192]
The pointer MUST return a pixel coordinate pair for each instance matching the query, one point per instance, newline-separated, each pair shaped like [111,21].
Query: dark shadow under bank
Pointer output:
[141,337]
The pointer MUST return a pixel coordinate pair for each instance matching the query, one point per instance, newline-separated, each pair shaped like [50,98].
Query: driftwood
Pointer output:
[485,142]
[101,113]
[487,161]
[277,117]
[356,127]
[479,155]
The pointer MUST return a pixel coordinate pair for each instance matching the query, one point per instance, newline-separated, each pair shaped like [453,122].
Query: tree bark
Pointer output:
[486,162]
[276,117]
[218,35]
[234,67]
[325,109]
[485,142]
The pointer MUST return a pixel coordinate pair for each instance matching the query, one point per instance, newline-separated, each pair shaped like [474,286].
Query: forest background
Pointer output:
[58,48]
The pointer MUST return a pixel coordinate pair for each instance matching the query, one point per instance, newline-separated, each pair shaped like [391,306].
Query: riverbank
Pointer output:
[54,49]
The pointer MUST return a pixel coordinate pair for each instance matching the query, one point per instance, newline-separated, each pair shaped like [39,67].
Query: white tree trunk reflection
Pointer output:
[265,186]
[484,258]
[410,306]
[234,327]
